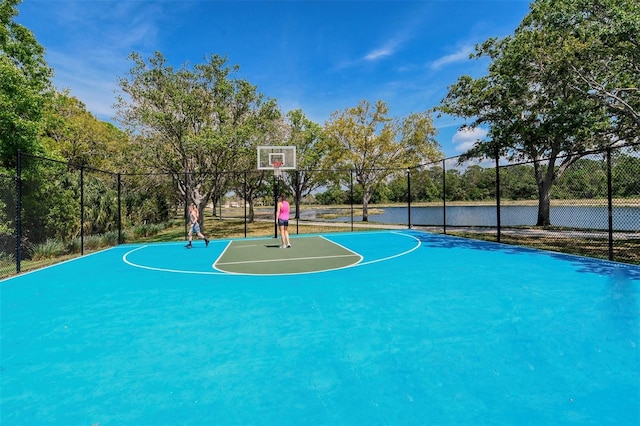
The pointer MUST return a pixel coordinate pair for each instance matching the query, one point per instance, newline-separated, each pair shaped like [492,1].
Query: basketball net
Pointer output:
[277,172]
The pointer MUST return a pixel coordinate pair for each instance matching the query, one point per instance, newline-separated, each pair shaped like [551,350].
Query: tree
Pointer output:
[24,87]
[625,175]
[586,178]
[333,195]
[517,183]
[602,42]
[306,136]
[194,123]
[80,138]
[533,101]
[478,182]
[264,125]
[374,146]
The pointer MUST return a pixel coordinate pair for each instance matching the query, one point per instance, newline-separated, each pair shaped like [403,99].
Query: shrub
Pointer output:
[6,259]
[140,231]
[47,250]
[147,230]
[110,239]
[74,246]
[126,236]
[92,242]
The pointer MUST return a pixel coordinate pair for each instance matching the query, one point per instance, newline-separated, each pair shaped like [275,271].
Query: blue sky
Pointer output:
[319,56]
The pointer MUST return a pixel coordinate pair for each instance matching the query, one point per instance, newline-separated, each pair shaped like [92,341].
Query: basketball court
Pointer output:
[386,327]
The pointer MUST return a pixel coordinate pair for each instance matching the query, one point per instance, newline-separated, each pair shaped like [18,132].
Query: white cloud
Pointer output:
[379,53]
[386,50]
[466,138]
[89,61]
[460,56]
[389,47]
[393,43]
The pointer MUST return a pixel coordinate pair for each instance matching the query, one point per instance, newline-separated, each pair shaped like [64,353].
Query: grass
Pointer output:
[625,250]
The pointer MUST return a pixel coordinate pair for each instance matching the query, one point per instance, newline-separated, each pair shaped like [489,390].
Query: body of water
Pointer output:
[586,217]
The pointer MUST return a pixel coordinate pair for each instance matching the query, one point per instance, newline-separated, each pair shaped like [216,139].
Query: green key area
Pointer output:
[266,257]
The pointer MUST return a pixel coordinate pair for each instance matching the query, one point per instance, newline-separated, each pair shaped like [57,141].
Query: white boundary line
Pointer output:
[213,265]
[344,248]
[151,268]
[286,260]
[417,246]
[222,272]
[22,274]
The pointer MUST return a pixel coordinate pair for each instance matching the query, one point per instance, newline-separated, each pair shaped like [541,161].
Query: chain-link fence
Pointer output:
[591,208]
[57,210]
[8,225]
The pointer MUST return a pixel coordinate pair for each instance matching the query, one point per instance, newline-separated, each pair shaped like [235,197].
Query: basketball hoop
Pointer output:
[277,172]
[277,158]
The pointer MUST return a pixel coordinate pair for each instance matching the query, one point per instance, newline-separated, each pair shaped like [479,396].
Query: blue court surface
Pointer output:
[415,329]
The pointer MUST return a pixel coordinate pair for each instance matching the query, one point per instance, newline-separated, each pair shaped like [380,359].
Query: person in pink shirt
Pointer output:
[282,219]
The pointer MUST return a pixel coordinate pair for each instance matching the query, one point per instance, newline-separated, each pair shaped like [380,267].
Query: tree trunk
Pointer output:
[251,211]
[544,208]
[545,182]
[366,197]
[297,203]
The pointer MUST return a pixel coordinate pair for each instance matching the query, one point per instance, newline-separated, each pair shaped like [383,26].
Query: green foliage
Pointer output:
[333,195]
[518,183]
[93,242]
[147,199]
[307,136]
[543,99]
[479,183]
[380,194]
[6,260]
[585,179]
[372,144]
[397,188]
[145,230]
[24,87]
[101,203]
[49,249]
[597,41]
[625,176]
[75,135]
[7,201]
[196,123]
[109,239]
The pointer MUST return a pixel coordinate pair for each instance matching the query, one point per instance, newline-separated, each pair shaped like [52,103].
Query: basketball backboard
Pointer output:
[282,157]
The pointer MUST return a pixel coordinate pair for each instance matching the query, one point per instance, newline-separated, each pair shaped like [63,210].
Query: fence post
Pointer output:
[81,210]
[297,200]
[610,203]
[409,197]
[351,195]
[187,191]
[499,228]
[444,197]
[244,201]
[220,195]
[275,205]
[18,211]
[119,209]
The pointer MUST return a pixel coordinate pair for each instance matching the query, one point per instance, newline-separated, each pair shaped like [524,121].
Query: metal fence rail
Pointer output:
[56,210]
